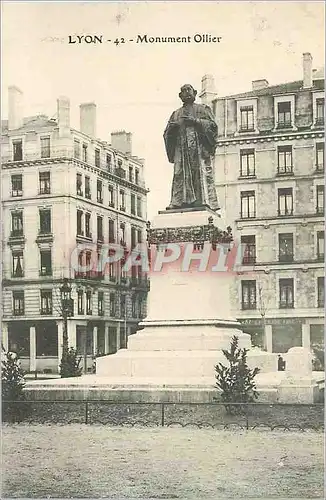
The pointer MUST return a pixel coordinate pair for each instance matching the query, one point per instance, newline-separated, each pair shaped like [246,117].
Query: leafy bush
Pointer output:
[236,381]
[70,361]
[12,387]
[318,362]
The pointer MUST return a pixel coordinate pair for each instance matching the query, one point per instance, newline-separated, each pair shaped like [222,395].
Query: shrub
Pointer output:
[236,381]
[318,362]
[12,387]
[70,361]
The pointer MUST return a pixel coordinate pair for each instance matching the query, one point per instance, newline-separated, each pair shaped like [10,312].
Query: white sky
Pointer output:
[136,86]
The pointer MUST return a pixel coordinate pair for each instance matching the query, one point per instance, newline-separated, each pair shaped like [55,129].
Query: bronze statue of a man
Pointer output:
[190,141]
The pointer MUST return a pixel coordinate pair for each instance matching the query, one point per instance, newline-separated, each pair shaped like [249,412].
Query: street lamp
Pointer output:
[67,306]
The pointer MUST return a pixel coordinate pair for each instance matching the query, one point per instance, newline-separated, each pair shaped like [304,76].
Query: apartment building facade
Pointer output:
[65,196]
[269,169]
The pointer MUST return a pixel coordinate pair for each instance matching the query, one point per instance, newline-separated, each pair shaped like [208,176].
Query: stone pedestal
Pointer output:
[189,318]
[298,385]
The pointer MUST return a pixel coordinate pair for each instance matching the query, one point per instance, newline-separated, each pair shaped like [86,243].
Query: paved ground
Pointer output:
[79,461]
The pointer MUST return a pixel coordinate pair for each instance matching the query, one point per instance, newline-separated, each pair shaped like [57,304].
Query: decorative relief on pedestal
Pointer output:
[196,234]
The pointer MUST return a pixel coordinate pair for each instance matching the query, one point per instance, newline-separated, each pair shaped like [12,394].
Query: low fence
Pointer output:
[214,415]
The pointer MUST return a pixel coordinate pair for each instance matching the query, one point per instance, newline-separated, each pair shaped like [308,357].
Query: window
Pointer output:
[85,155]
[139,236]
[285,160]
[247,162]
[320,111]
[97,158]
[18,303]
[139,206]
[76,148]
[99,228]
[122,233]
[100,303]
[88,263]
[247,118]
[249,254]
[320,199]
[123,306]
[17,150]
[320,148]
[320,245]
[136,176]
[248,294]
[284,114]
[131,174]
[16,185]
[46,339]
[46,263]
[88,225]
[79,184]
[17,223]
[80,301]
[285,201]
[133,238]
[44,182]
[46,301]
[134,306]
[285,247]
[45,147]
[132,204]
[17,264]
[122,201]
[321,291]
[80,231]
[286,293]
[111,196]
[99,191]
[89,302]
[45,221]
[111,231]
[109,162]
[112,305]
[87,187]
[248,204]
[111,271]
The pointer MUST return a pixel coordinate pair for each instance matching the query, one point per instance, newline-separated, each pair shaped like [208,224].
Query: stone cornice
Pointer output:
[271,137]
[89,168]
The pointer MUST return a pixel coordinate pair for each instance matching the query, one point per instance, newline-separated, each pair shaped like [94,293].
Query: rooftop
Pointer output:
[284,88]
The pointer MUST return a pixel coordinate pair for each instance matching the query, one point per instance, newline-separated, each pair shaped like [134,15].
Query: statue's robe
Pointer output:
[191,148]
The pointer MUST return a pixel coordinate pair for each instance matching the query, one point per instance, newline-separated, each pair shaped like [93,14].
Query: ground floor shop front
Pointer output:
[280,334]
[39,343]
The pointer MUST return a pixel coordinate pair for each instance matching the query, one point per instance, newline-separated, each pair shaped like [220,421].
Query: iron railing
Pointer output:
[259,416]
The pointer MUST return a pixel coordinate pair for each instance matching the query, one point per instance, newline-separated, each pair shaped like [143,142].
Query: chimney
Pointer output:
[259,84]
[88,119]
[307,70]
[63,115]
[208,92]
[121,141]
[15,108]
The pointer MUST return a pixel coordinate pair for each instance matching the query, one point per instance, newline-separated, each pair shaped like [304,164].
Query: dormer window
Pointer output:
[284,114]
[320,111]
[247,115]
[284,111]
[247,118]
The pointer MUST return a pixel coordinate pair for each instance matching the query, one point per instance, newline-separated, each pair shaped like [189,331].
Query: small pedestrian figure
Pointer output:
[280,364]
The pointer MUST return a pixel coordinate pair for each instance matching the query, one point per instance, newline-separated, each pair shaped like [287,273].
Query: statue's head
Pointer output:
[187,93]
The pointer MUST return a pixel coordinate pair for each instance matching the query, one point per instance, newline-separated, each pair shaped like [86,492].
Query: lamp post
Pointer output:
[67,311]
[262,309]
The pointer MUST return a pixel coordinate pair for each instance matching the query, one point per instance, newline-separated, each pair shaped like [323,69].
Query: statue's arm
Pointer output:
[170,137]
[208,128]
